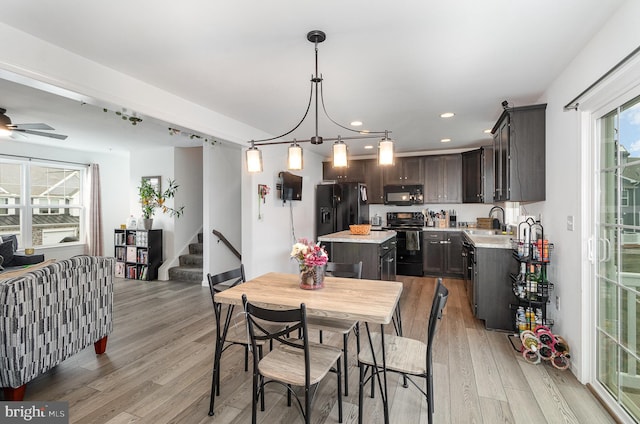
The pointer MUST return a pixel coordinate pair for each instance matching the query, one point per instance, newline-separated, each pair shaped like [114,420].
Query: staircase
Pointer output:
[190,268]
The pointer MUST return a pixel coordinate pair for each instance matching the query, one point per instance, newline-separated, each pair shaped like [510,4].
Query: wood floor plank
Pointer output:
[495,411]
[548,396]
[484,366]
[158,366]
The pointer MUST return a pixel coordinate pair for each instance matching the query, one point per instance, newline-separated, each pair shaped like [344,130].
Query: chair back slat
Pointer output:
[233,277]
[439,301]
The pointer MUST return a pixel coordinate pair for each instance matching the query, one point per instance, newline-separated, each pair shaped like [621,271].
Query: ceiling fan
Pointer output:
[6,128]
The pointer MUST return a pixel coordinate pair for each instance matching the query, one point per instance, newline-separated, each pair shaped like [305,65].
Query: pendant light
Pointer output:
[385,151]
[339,154]
[254,159]
[294,157]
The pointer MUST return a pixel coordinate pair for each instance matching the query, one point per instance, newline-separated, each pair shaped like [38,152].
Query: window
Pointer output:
[46,199]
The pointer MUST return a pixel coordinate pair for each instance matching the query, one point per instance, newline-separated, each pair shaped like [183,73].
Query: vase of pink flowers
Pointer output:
[312,260]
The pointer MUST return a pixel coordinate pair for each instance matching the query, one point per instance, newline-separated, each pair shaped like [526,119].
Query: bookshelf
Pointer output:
[138,253]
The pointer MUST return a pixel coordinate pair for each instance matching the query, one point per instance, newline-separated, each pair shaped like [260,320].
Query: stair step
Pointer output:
[196,248]
[191,259]
[186,273]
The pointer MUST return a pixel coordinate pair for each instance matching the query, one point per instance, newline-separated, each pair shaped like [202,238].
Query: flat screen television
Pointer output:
[291,186]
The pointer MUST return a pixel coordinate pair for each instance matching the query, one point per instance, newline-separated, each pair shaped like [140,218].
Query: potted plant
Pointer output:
[152,198]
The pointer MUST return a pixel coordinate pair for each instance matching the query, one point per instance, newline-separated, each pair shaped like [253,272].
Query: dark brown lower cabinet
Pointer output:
[378,260]
[442,253]
[492,290]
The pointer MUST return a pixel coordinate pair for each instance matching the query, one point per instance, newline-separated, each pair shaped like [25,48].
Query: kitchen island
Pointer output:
[489,260]
[376,250]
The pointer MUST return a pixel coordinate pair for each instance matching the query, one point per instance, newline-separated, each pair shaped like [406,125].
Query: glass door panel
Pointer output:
[608,364]
[608,307]
[618,253]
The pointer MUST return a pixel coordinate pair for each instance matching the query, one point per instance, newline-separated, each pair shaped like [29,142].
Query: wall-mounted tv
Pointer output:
[291,186]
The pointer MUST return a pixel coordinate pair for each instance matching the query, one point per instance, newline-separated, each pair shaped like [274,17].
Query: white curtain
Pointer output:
[95,212]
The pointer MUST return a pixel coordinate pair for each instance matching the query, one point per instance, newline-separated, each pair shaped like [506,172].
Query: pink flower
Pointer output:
[308,254]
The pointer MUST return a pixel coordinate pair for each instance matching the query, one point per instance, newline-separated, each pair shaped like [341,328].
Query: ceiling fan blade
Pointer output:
[17,136]
[38,126]
[43,134]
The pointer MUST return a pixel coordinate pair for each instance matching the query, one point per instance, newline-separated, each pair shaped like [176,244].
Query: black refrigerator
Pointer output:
[339,205]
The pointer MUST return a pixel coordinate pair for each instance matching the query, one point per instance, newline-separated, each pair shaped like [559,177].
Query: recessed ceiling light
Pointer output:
[445,140]
[368,146]
[447,115]
[487,131]
[356,123]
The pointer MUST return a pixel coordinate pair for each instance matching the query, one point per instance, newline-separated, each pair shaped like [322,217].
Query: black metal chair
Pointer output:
[344,327]
[408,357]
[231,331]
[290,362]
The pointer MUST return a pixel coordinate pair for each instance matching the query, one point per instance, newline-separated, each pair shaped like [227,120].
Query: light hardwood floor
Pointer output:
[157,369]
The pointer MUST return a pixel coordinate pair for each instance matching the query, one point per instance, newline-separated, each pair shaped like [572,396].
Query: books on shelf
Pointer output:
[143,256]
[144,270]
[121,253]
[119,238]
[131,272]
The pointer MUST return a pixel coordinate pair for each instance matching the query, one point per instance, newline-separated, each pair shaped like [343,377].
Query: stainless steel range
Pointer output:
[410,247]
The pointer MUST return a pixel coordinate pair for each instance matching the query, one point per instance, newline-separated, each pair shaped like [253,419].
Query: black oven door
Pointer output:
[409,252]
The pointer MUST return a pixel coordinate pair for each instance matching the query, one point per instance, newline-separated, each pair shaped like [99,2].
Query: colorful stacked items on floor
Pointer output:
[542,345]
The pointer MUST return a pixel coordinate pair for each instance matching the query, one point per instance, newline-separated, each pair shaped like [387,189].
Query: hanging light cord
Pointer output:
[341,126]
[315,80]
[297,125]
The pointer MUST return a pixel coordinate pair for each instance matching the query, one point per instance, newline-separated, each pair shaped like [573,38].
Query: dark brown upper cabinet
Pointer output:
[519,154]
[353,173]
[443,179]
[406,170]
[477,175]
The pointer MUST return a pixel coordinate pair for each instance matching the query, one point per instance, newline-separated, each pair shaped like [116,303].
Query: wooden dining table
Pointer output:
[368,301]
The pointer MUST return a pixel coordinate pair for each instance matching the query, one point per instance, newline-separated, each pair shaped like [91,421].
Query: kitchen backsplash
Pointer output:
[467,212]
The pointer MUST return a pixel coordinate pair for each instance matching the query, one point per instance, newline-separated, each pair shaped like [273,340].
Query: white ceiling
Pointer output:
[393,65]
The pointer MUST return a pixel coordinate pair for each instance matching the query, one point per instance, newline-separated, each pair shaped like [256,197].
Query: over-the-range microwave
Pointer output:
[404,195]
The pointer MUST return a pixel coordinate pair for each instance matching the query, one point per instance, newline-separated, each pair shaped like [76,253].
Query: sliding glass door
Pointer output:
[618,269]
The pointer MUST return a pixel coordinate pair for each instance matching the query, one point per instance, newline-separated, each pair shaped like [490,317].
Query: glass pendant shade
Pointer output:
[339,154]
[385,152]
[254,160]
[294,159]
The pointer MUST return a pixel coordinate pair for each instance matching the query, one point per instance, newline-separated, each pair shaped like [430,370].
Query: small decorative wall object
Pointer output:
[263,190]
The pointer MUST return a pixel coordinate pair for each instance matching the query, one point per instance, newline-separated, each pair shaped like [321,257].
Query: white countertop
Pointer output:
[498,241]
[375,237]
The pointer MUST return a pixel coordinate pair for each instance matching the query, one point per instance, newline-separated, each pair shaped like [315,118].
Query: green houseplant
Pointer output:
[152,199]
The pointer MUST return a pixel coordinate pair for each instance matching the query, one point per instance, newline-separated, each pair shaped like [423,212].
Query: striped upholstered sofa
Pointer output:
[51,313]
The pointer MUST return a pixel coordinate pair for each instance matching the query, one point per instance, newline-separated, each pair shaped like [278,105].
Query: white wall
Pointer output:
[188,175]
[565,196]
[267,242]
[222,200]
[114,176]
[184,165]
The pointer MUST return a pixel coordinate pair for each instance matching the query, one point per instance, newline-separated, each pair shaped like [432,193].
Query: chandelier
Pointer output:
[339,150]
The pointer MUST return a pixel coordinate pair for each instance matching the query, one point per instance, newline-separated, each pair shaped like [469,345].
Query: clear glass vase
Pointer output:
[312,278]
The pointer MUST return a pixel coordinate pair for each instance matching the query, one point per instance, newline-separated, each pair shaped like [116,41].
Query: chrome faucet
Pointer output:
[500,209]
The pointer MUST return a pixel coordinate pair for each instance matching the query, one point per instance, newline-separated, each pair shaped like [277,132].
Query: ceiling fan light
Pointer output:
[339,154]
[294,159]
[5,132]
[385,151]
[254,159]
